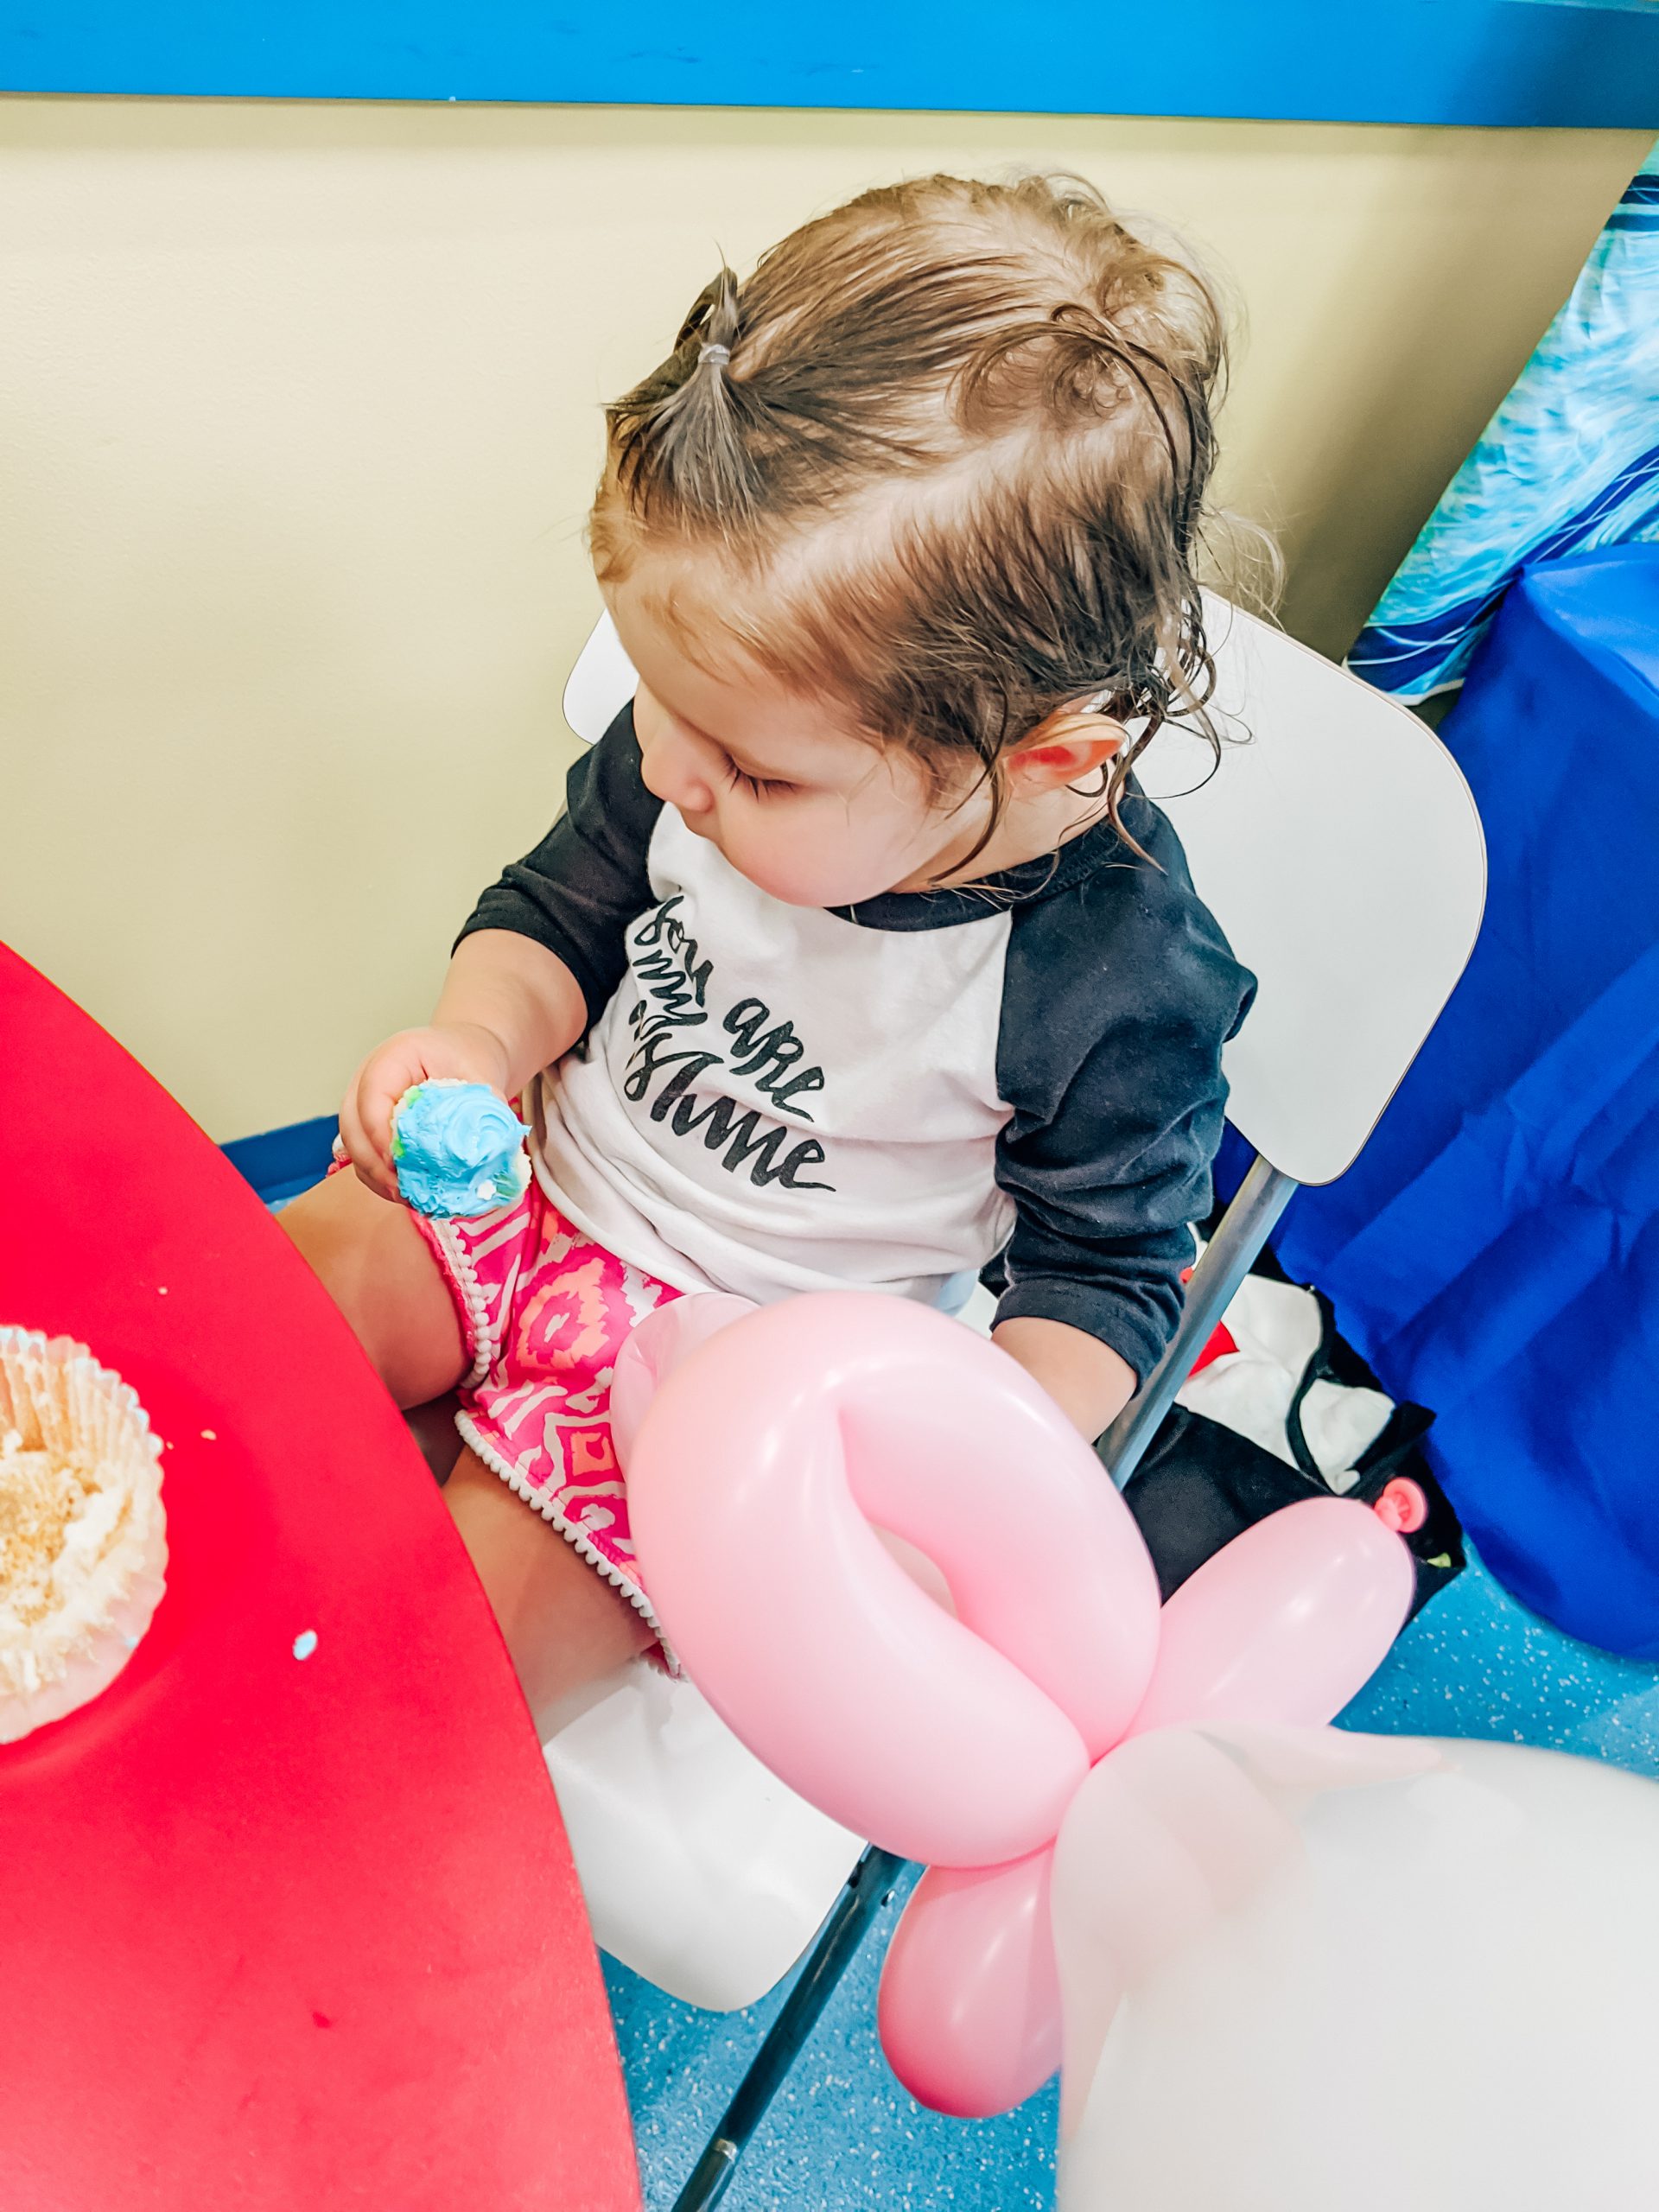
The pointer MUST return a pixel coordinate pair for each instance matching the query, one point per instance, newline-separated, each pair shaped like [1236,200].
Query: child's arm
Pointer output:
[1088,1382]
[536,961]
[1120,995]
[508,1008]
[521,994]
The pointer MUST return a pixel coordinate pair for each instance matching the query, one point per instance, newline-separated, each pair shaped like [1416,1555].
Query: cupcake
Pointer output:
[83,1536]
[458,1149]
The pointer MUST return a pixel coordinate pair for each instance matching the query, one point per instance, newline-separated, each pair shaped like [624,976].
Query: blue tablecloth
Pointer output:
[1495,1253]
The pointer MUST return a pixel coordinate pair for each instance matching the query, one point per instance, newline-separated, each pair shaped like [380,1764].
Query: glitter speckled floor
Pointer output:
[842,2138]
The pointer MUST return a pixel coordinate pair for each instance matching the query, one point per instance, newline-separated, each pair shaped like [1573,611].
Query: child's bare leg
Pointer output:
[379,1270]
[563,1624]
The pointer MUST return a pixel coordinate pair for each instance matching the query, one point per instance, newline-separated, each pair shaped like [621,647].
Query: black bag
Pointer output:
[1201,1483]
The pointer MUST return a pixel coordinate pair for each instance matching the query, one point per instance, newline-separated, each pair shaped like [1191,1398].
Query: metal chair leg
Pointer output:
[868,1890]
[1242,1232]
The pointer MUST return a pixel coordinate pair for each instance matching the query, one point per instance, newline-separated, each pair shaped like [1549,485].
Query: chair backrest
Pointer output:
[1337,844]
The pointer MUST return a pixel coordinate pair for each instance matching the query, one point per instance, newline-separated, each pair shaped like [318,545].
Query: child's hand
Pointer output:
[466,1050]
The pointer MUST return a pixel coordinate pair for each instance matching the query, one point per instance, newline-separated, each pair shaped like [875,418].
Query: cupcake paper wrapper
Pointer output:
[57,1399]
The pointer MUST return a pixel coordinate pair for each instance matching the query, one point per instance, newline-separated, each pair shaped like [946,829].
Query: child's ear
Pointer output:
[1067,748]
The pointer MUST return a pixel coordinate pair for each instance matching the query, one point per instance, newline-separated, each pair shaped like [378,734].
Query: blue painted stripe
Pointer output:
[1424,61]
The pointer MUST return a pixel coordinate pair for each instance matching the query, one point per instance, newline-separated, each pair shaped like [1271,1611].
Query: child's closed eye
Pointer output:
[758,786]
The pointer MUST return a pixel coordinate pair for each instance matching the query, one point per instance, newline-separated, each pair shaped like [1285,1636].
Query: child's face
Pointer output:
[792,795]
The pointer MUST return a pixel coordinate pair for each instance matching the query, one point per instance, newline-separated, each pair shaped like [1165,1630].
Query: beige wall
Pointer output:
[298,423]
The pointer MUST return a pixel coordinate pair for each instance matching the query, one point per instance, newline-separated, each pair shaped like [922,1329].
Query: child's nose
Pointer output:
[672,771]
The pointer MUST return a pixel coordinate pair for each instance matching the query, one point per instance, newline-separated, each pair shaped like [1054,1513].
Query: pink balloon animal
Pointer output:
[782,1463]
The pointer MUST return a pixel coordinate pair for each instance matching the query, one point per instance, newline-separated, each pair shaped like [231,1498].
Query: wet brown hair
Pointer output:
[962,432]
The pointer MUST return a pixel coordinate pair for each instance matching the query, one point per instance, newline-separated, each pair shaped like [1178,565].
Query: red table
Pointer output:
[274,1932]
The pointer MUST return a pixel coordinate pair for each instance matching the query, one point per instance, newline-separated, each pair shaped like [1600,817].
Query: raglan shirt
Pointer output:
[1019,1077]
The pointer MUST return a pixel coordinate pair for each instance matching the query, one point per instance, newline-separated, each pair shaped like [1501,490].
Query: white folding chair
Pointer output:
[1338,847]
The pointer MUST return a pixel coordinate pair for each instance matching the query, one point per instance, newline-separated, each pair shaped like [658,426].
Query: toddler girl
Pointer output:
[856,959]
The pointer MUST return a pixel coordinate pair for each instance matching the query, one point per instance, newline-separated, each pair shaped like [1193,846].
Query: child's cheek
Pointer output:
[815,863]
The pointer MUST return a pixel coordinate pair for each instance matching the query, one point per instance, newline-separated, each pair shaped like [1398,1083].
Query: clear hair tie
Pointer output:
[720,355]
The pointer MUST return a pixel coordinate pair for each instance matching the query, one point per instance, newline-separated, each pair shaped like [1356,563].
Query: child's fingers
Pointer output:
[369,1170]
[375,1099]
[354,1136]
[364,1155]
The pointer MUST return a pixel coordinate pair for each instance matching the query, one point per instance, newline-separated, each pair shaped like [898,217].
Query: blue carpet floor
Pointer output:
[845,2138]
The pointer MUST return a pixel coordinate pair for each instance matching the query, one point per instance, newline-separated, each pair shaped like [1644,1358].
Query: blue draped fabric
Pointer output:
[1570,461]
[1495,1253]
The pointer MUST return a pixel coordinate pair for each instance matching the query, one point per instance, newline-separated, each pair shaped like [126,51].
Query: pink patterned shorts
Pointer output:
[544,1313]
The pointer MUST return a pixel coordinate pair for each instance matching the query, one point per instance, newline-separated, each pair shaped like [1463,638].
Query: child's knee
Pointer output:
[328,1227]
[377,1268]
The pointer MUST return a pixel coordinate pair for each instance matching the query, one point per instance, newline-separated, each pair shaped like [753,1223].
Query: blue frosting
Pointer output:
[458,1148]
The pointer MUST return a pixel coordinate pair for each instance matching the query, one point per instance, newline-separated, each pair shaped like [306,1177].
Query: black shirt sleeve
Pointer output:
[1119,993]
[588,878]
